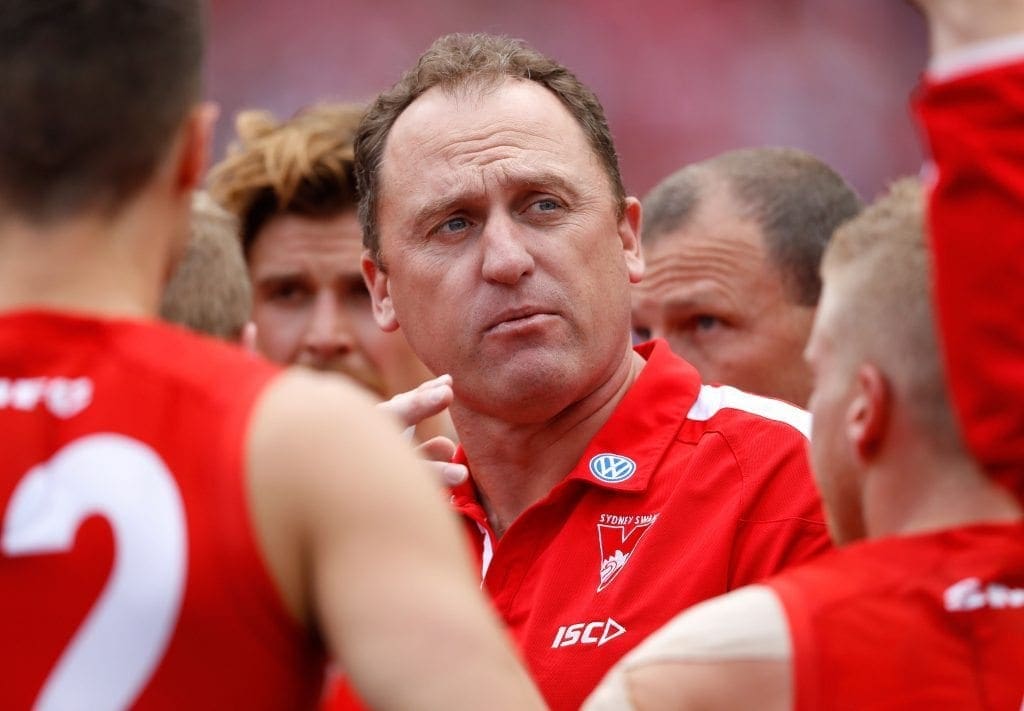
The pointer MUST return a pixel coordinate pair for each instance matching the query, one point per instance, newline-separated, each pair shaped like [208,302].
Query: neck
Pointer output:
[515,465]
[934,491]
[113,267]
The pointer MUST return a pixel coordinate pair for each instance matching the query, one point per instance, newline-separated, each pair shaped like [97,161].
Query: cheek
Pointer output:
[278,331]
[372,340]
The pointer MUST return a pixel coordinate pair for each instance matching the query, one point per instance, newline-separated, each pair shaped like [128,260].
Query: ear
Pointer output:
[629,233]
[867,417]
[247,338]
[197,137]
[379,286]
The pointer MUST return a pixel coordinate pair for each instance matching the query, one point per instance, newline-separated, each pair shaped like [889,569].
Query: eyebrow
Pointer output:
[536,181]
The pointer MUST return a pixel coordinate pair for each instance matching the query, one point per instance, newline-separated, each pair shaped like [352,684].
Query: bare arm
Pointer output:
[976,217]
[955,24]
[358,539]
[732,652]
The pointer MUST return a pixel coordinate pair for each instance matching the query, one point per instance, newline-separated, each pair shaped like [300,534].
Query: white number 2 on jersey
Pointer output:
[123,638]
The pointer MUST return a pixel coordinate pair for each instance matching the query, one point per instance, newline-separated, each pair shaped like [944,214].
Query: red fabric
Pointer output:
[975,129]
[187,400]
[733,499]
[871,628]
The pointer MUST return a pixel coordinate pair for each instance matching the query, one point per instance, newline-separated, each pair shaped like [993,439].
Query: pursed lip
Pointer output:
[516,314]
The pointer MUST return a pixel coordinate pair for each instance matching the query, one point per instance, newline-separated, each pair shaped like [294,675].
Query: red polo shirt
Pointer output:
[687,492]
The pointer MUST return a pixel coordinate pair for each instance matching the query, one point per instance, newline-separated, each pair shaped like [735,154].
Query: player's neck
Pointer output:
[113,267]
[514,465]
[936,493]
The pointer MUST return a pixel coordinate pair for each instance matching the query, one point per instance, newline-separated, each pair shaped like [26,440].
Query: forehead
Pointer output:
[717,224]
[295,241]
[455,139]
[718,248]
[829,329]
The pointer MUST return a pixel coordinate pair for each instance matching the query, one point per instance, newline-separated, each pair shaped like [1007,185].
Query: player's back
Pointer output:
[129,571]
[926,621]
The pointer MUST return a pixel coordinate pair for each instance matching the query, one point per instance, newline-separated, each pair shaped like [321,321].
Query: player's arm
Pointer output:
[971,115]
[956,24]
[357,535]
[732,652]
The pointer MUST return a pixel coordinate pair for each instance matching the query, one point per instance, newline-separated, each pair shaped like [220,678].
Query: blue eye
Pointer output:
[546,205]
[705,322]
[455,224]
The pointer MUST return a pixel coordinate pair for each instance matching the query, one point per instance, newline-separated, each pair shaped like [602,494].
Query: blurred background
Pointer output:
[680,80]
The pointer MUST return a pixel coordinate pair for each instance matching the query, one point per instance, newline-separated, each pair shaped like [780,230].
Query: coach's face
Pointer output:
[504,258]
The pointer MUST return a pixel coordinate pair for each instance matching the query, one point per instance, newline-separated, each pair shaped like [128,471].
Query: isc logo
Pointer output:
[597,633]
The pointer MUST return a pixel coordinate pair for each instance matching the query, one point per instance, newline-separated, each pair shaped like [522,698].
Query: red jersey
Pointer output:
[129,572]
[686,493]
[931,621]
[976,220]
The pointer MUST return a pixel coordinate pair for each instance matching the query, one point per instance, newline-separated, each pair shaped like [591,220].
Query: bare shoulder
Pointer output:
[309,424]
[324,468]
[732,652]
[299,399]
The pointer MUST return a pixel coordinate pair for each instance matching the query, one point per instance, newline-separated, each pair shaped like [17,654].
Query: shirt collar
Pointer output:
[624,453]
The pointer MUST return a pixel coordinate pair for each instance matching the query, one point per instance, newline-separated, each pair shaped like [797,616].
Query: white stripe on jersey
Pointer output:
[713,398]
[488,555]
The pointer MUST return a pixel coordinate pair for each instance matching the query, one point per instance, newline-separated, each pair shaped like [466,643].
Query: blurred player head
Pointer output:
[209,291]
[732,247]
[89,140]
[879,392]
[292,187]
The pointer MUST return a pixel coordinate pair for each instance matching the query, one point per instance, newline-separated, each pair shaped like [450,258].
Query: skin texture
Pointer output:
[684,686]
[311,308]
[710,290]
[837,406]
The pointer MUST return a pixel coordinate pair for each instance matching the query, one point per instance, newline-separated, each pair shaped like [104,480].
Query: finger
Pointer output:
[416,405]
[449,474]
[437,449]
[454,474]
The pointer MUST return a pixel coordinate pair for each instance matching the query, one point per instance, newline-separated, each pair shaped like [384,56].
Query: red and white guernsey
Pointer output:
[973,124]
[129,572]
[686,492]
[932,621]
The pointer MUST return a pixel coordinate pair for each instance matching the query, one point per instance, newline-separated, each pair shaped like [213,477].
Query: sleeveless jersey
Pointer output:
[129,571]
[931,621]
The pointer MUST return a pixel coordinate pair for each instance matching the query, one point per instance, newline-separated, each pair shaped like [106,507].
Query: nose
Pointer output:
[328,332]
[506,259]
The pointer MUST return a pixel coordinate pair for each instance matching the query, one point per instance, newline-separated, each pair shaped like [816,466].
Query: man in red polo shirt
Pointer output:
[609,489]
[925,606]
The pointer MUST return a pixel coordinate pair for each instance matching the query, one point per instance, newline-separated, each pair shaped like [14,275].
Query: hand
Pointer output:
[957,23]
[411,408]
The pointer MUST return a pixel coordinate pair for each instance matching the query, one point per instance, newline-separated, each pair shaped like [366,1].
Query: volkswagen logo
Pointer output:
[612,468]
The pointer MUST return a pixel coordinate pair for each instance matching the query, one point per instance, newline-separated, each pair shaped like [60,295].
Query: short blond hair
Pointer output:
[302,166]
[209,291]
[881,264]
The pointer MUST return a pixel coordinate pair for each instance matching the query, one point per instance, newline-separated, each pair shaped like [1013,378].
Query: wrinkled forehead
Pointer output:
[481,124]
